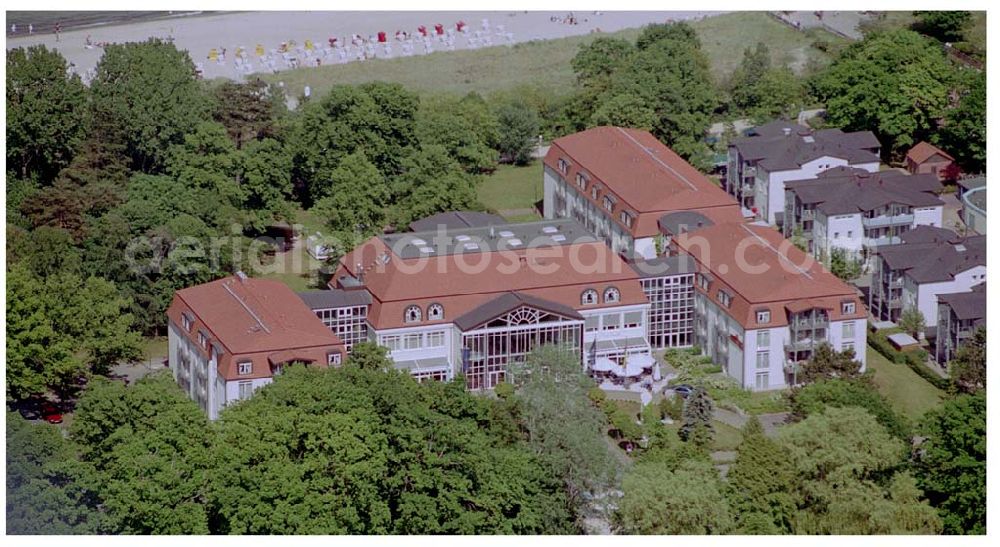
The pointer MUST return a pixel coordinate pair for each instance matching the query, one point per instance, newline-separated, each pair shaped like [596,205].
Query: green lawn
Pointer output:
[512,188]
[727,437]
[544,66]
[905,390]
[154,347]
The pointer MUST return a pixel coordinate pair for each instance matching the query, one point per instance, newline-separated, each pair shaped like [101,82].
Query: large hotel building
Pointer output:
[638,252]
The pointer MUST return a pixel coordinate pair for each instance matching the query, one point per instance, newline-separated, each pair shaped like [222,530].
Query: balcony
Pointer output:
[807,214]
[818,323]
[750,171]
[881,241]
[887,220]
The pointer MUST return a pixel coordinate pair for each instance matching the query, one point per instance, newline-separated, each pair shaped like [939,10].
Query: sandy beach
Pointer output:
[246,30]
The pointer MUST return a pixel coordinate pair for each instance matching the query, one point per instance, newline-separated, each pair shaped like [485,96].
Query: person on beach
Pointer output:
[13,28]
[31,28]
[58,30]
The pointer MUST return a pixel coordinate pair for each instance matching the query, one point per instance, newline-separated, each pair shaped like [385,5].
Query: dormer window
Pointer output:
[847,308]
[594,191]
[245,368]
[202,339]
[435,312]
[333,359]
[581,180]
[186,322]
[763,316]
[725,298]
[589,297]
[563,166]
[704,282]
[609,203]
[412,314]
[611,295]
[626,219]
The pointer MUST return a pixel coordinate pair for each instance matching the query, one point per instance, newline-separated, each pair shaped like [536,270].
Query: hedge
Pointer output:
[913,359]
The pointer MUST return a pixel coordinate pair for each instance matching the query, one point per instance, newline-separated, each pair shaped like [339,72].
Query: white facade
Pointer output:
[760,364]
[847,232]
[769,186]
[923,296]
[439,346]
[564,200]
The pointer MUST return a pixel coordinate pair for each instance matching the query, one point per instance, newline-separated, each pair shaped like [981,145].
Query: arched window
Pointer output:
[412,314]
[435,312]
[611,294]
[588,297]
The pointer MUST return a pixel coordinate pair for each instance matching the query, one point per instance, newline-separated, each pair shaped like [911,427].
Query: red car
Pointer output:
[51,414]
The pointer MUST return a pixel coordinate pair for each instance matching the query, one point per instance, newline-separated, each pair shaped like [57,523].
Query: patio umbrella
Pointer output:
[603,364]
[657,374]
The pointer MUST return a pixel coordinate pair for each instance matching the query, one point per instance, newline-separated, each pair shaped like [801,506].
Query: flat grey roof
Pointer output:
[335,298]
[665,266]
[456,219]
[449,241]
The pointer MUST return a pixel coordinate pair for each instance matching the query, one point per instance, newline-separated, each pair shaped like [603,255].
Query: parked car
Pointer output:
[683,390]
[51,414]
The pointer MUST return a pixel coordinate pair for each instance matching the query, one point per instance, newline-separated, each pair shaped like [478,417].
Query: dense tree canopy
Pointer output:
[893,83]
[963,133]
[951,463]
[149,90]
[687,500]
[761,484]
[45,112]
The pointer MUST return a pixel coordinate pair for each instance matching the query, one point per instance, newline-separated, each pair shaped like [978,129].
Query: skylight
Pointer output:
[558,237]
[418,242]
[471,246]
[427,250]
[462,237]
[514,242]
[550,229]
[506,233]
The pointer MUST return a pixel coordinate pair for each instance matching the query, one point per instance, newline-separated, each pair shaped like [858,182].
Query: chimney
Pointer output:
[361,273]
[241,276]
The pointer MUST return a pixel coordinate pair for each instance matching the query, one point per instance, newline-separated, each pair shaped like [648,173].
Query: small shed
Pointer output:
[925,158]
[903,342]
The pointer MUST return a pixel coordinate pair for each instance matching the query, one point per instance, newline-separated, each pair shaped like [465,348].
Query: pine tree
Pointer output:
[697,426]
[760,482]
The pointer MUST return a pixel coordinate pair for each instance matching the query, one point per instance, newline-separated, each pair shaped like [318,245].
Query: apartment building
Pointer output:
[475,300]
[857,211]
[618,182]
[771,154]
[927,263]
[762,306]
[229,337]
[959,315]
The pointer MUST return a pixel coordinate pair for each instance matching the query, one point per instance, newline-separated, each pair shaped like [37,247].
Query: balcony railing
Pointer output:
[881,241]
[807,214]
[887,220]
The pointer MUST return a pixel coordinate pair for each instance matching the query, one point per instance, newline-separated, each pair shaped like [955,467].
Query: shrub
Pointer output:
[597,395]
[672,407]
[504,390]
[814,398]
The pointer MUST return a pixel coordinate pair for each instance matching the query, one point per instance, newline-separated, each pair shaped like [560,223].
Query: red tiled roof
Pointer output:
[255,315]
[646,178]
[462,282]
[761,270]
[923,151]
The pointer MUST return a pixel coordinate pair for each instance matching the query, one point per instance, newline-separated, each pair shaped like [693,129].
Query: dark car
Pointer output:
[51,414]
[683,390]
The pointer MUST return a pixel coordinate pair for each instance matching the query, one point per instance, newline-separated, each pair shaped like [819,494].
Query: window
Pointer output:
[581,180]
[611,295]
[725,298]
[763,360]
[763,339]
[412,314]
[246,389]
[563,166]
[609,203]
[633,319]
[202,339]
[704,281]
[435,339]
[435,312]
[850,233]
[592,323]
[412,341]
[763,381]
[186,322]
[848,332]
[245,368]
[836,235]
[847,346]
[588,297]
[594,190]
[847,308]
[626,219]
[763,316]
[391,342]
[612,321]
[333,358]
